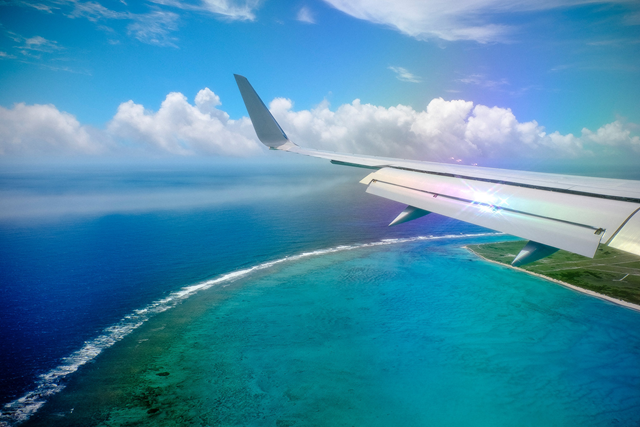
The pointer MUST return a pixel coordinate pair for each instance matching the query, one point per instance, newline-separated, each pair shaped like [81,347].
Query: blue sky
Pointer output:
[545,79]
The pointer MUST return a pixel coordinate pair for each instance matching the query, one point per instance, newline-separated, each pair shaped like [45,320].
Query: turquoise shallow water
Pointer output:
[420,333]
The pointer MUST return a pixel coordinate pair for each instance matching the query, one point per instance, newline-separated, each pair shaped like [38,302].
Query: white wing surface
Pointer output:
[553,211]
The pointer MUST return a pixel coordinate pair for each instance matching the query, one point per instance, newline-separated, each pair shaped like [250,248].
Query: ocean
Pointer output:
[281,297]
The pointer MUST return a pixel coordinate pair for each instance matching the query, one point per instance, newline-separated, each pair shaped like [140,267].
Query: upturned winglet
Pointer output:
[268,130]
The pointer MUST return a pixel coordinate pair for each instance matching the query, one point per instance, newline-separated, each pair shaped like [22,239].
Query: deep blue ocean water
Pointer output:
[83,247]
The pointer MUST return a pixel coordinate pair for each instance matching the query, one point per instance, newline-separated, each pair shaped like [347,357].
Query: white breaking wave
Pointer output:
[49,384]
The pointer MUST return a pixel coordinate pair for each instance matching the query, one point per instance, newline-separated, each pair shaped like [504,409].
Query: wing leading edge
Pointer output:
[552,211]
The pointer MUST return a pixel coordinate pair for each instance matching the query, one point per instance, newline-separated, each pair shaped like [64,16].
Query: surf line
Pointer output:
[50,383]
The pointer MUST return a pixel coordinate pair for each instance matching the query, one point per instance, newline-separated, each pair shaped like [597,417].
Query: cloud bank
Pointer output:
[444,129]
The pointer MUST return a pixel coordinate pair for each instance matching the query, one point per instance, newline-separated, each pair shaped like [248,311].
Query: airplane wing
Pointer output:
[552,211]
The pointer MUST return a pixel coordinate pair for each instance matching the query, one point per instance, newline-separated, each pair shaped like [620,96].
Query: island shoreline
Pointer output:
[616,301]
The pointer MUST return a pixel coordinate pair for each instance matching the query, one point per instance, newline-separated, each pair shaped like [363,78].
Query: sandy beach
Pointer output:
[626,304]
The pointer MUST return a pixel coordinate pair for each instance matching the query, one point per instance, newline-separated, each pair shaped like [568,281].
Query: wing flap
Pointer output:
[568,236]
[604,215]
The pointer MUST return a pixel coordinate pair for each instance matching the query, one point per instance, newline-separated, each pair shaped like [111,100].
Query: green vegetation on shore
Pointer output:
[611,272]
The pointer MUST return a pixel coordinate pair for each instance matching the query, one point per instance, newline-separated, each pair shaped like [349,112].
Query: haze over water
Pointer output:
[417,331]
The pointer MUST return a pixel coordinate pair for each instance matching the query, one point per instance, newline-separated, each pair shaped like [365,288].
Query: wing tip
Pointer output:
[267,128]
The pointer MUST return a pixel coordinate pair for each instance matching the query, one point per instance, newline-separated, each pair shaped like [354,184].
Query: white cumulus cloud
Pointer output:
[444,129]
[184,129]
[177,128]
[42,129]
[616,134]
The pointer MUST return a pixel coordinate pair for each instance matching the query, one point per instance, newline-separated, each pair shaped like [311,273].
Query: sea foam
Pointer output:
[50,383]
